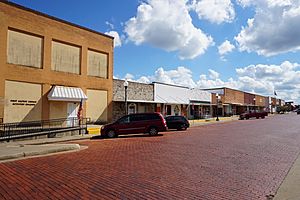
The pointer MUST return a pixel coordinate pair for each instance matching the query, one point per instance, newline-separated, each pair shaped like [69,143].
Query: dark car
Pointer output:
[177,122]
[151,123]
[298,111]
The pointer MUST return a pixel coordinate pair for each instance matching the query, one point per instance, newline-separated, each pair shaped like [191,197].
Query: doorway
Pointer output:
[71,114]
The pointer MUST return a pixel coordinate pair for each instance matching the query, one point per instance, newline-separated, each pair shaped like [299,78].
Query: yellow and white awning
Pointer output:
[62,93]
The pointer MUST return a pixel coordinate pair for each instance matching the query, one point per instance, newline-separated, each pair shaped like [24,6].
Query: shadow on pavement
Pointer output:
[99,137]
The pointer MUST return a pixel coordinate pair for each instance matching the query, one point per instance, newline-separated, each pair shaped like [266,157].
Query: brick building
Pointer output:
[48,65]
[235,102]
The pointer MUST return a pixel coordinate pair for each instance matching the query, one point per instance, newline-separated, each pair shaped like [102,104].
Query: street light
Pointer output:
[217,98]
[254,103]
[126,86]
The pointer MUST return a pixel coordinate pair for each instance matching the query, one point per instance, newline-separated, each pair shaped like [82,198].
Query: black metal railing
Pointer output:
[10,131]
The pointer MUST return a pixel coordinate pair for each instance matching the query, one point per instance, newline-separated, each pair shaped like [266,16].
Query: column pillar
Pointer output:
[3,50]
[45,103]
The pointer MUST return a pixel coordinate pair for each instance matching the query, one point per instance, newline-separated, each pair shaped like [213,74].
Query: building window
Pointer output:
[132,108]
[97,64]
[65,58]
[24,49]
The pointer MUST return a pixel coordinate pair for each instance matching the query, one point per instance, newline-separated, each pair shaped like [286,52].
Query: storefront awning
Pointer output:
[172,100]
[61,93]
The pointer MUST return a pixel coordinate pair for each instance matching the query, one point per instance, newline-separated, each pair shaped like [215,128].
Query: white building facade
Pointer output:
[179,100]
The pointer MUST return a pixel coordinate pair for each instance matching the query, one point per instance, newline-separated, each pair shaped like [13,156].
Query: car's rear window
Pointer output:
[175,118]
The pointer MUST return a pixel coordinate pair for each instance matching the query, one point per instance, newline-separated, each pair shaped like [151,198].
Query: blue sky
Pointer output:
[251,45]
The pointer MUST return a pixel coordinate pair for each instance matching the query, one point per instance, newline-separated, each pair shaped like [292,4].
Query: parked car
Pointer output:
[177,122]
[251,114]
[298,111]
[151,123]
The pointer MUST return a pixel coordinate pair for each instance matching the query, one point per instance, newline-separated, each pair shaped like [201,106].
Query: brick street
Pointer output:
[234,160]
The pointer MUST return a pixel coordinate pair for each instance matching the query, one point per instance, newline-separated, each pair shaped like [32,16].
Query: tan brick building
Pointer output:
[47,66]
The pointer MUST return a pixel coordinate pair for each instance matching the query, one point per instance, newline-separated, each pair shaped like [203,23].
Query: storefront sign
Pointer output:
[22,102]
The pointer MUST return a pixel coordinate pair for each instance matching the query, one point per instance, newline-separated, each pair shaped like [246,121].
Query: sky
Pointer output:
[250,45]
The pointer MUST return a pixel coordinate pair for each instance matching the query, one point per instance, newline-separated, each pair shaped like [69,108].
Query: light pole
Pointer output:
[217,98]
[126,86]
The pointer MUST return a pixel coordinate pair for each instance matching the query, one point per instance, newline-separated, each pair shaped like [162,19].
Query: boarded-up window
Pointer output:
[22,102]
[97,64]
[96,105]
[24,49]
[65,58]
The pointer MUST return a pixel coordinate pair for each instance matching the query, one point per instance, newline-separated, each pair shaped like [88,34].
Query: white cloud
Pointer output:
[143,79]
[204,82]
[180,76]
[129,77]
[215,11]
[117,39]
[213,74]
[274,29]
[225,47]
[111,26]
[260,79]
[270,3]
[167,25]
[284,78]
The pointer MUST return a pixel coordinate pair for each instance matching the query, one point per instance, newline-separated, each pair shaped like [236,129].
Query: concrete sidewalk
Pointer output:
[27,148]
[199,122]
[290,187]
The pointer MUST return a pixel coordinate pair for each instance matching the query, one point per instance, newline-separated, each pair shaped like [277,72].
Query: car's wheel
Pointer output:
[257,117]
[247,117]
[262,117]
[182,127]
[111,134]
[153,131]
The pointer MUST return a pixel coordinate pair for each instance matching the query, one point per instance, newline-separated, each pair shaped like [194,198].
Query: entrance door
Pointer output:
[72,113]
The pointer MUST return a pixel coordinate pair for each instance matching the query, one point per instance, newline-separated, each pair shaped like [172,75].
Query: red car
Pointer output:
[151,123]
[251,114]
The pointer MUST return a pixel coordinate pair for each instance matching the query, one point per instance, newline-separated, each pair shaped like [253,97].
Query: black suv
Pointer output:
[177,122]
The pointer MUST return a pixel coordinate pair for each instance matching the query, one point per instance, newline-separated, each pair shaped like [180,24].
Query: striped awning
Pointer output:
[62,93]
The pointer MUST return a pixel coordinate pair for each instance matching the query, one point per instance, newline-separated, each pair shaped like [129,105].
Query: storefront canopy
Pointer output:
[61,93]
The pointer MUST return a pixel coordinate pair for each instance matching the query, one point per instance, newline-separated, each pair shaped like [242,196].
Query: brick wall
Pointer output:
[260,100]
[233,96]
[51,29]
[249,98]
[119,109]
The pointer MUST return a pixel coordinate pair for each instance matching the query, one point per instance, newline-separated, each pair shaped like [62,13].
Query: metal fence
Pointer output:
[10,131]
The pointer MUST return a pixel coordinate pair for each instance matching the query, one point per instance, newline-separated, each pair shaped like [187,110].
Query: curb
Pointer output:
[34,150]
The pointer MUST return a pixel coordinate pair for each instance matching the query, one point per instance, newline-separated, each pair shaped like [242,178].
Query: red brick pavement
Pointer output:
[235,161]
